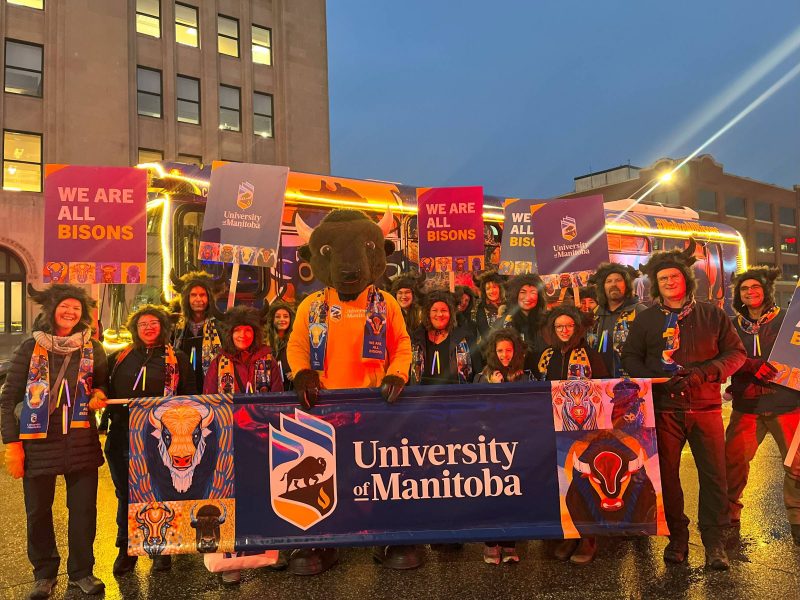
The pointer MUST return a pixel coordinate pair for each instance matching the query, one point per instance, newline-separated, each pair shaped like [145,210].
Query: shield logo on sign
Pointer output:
[569,230]
[302,463]
[244,199]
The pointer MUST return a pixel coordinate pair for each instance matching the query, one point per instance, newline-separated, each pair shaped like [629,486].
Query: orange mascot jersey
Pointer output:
[344,365]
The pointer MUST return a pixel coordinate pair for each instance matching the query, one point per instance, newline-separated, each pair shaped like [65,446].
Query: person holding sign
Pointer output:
[148,367]
[759,406]
[525,311]
[56,379]
[694,344]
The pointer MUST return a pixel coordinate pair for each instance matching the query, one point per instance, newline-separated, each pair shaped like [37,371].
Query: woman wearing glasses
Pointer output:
[568,356]
[148,367]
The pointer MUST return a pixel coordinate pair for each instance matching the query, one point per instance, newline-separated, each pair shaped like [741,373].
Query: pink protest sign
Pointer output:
[450,224]
[95,225]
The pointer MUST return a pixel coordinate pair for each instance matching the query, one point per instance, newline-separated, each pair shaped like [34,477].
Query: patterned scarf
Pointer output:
[226,377]
[752,327]
[171,372]
[578,366]
[599,340]
[39,403]
[211,342]
[672,334]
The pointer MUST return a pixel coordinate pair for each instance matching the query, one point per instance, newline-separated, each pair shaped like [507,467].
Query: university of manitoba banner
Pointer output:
[452,463]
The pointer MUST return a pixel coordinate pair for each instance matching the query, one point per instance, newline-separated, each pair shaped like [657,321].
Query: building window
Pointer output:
[262,45]
[230,108]
[148,18]
[148,86]
[787,216]
[188,100]
[22,161]
[190,159]
[29,3]
[763,211]
[12,293]
[735,207]
[227,36]
[23,69]
[186,29]
[789,271]
[707,200]
[146,155]
[262,114]
[789,244]
[668,198]
[765,242]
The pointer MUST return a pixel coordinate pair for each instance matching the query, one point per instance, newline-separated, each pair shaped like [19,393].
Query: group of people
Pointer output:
[504,332]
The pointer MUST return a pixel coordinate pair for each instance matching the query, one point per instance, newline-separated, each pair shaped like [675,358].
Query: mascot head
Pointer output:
[347,250]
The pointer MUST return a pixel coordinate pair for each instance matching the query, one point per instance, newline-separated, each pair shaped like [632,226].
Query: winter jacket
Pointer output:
[123,376]
[57,454]
[749,394]
[283,363]
[458,338]
[482,320]
[707,340]
[606,321]
[558,367]
[244,365]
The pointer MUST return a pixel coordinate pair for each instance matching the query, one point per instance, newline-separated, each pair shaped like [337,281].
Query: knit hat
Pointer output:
[672,259]
[183,286]
[605,269]
[54,295]
[241,316]
[431,299]
[766,276]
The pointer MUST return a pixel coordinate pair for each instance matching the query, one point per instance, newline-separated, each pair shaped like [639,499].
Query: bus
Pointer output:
[176,203]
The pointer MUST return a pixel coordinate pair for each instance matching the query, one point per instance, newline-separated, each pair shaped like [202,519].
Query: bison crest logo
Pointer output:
[302,462]
[569,229]
[244,199]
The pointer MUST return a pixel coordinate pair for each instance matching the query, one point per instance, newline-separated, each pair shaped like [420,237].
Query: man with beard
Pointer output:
[617,307]
[759,406]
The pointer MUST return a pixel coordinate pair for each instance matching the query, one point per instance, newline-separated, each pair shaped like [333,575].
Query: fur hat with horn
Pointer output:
[766,276]
[239,316]
[672,259]
[183,285]
[628,274]
[49,298]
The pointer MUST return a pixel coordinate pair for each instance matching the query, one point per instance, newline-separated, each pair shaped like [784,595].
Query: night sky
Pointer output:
[523,96]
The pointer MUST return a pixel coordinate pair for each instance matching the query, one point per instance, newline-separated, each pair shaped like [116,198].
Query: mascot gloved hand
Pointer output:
[97,400]
[391,386]
[307,386]
[15,459]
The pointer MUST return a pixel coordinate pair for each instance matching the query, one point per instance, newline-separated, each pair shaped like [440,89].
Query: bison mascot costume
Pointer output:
[350,334]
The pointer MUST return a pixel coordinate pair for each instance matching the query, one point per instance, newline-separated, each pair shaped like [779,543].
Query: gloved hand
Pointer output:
[766,372]
[15,459]
[391,386]
[97,400]
[307,386]
[685,378]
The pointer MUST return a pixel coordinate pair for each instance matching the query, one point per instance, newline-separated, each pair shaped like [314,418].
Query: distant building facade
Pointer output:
[765,214]
[120,82]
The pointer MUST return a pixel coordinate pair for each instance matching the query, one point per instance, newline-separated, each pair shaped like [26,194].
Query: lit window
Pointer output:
[190,159]
[765,242]
[29,3]
[23,69]
[148,18]
[787,216]
[147,155]
[148,86]
[186,29]
[230,108]
[227,36]
[789,244]
[735,206]
[188,100]
[22,161]
[262,45]
[789,271]
[262,114]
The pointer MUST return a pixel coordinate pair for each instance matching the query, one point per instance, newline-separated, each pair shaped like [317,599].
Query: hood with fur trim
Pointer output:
[156,311]
[628,273]
[49,298]
[582,322]
[184,284]
[238,316]
[492,276]
[490,355]
[431,299]
[513,287]
[766,276]
[672,259]
[407,281]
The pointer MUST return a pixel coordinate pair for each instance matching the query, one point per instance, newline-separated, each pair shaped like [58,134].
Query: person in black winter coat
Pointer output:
[759,405]
[48,427]
[526,310]
[488,309]
[567,355]
[465,298]
[695,345]
[279,326]
[148,367]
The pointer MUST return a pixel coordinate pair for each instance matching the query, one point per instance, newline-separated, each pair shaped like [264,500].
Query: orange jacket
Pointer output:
[344,367]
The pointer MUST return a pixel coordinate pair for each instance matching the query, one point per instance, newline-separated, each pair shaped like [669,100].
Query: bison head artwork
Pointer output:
[206,521]
[181,427]
[154,519]
[347,250]
[627,397]
[578,404]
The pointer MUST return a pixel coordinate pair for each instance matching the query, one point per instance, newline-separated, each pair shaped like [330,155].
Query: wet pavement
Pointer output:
[765,564]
